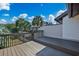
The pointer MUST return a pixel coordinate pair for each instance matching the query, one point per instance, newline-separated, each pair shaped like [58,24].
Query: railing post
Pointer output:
[1,41]
[32,35]
[5,41]
[11,40]
[8,40]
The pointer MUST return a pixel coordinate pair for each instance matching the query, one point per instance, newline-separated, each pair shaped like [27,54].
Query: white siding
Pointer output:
[52,31]
[71,28]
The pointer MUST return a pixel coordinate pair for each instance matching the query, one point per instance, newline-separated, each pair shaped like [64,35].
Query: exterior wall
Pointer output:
[71,28]
[38,34]
[52,31]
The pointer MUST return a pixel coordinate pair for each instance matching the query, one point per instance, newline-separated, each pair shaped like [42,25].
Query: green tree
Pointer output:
[11,27]
[37,21]
[22,25]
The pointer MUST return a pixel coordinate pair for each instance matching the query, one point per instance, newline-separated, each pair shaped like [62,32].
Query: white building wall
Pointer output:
[71,28]
[52,31]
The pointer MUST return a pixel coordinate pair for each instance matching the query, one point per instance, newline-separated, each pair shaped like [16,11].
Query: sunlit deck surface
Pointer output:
[26,49]
[31,48]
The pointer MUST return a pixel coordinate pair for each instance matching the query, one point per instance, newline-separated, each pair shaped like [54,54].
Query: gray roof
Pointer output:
[59,18]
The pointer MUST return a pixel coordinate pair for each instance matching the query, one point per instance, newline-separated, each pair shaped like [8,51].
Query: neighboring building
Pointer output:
[52,30]
[70,22]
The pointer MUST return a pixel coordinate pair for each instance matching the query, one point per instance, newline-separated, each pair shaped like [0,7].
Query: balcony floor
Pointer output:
[31,48]
[26,49]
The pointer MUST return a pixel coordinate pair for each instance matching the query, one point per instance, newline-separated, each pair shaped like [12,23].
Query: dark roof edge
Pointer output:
[59,18]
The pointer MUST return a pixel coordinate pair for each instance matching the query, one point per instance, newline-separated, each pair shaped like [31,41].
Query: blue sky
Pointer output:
[10,12]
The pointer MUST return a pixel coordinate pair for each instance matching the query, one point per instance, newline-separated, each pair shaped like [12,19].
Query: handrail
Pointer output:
[11,39]
[14,33]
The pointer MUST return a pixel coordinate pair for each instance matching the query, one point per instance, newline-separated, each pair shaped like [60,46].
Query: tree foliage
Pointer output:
[37,21]
[22,25]
[11,27]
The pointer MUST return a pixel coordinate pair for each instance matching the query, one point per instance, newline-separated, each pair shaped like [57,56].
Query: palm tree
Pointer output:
[37,21]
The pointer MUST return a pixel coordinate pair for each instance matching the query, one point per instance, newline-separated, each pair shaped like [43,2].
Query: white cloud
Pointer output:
[20,16]
[42,16]
[4,6]
[31,17]
[23,15]
[5,14]
[60,12]
[3,21]
[51,19]
[14,19]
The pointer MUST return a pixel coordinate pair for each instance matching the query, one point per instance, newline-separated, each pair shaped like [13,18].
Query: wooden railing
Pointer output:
[8,40]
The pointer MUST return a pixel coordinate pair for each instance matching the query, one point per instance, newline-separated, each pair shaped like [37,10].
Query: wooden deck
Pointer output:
[27,49]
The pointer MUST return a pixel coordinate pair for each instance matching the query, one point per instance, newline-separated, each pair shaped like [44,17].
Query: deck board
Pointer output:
[28,50]
[32,50]
[20,51]
[35,48]
[5,52]
[13,51]
[1,52]
[9,52]
[25,49]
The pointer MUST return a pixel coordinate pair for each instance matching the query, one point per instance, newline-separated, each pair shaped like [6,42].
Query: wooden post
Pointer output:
[1,41]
